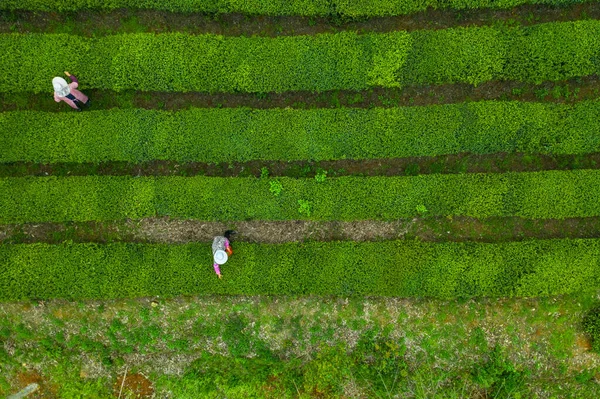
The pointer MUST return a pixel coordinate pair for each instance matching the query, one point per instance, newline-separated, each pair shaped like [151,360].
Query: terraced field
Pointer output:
[415,186]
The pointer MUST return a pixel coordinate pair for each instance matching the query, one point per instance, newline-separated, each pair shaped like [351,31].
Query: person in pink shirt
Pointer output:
[221,248]
[68,92]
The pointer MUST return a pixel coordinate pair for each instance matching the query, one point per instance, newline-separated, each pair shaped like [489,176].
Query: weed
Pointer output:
[304,207]
[541,93]
[264,172]
[498,376]
[321,175]
[275,187]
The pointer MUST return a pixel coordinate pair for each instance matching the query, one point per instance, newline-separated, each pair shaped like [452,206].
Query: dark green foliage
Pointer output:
[339,8]
[225,135]
[211,63]
[551,194]
[234,335]
[498,376]
[391,268]
[591,326]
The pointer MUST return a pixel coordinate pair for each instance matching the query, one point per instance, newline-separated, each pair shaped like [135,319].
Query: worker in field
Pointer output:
[221,248]
[68,92]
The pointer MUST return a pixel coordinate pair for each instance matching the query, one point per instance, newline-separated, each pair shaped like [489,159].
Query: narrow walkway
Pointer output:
[98,23]
[445,164]
[568,91]
[172,231]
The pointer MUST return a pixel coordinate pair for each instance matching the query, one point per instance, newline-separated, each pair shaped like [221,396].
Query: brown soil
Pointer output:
[583,342]
[128,20]
[445,164]
[45,390]
[136,386]
[567,91]
[430,229]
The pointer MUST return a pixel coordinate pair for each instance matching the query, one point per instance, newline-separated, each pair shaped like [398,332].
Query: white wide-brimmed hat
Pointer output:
[61,87]
[220,257]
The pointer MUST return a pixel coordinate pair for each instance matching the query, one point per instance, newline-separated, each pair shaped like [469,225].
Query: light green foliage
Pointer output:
[349,8]
[304,207]
[321,176]
[391,268]
[275,187]
[550,194]
[211,63]
[346,60]
[137,135]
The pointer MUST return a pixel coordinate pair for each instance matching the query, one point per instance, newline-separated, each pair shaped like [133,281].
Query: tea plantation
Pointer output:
[347,279]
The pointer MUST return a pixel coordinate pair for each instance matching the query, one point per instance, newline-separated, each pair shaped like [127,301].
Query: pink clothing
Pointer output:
[217,269]
[76,93]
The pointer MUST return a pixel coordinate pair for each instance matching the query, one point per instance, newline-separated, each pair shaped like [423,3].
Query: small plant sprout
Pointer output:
[321,176]
[421,210]
[264,172]
[275,187]
[304,207]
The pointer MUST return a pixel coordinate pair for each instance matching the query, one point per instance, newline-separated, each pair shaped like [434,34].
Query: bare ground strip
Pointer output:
[567,91]
[409,166]
[97,23]
[177,231]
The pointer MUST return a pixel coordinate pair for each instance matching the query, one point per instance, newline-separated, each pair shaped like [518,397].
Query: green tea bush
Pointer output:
[389,268]
[591,326]
[137,135]
[351,8]
[211,63]
[551,194]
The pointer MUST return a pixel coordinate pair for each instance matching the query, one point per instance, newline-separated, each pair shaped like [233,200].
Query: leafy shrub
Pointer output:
[389,268]
[550,194]
[591,326]
[138,135]
[211,63]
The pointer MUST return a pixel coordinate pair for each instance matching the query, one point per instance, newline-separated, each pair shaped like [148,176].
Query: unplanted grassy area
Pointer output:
[300,347]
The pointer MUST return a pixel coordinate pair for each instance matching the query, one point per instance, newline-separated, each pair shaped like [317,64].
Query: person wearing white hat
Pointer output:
[68,92]
[221,248]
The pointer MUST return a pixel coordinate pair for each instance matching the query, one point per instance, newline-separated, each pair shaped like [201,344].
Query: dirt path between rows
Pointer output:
[431,229]
[96,23]
[410,166]
[567,91]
